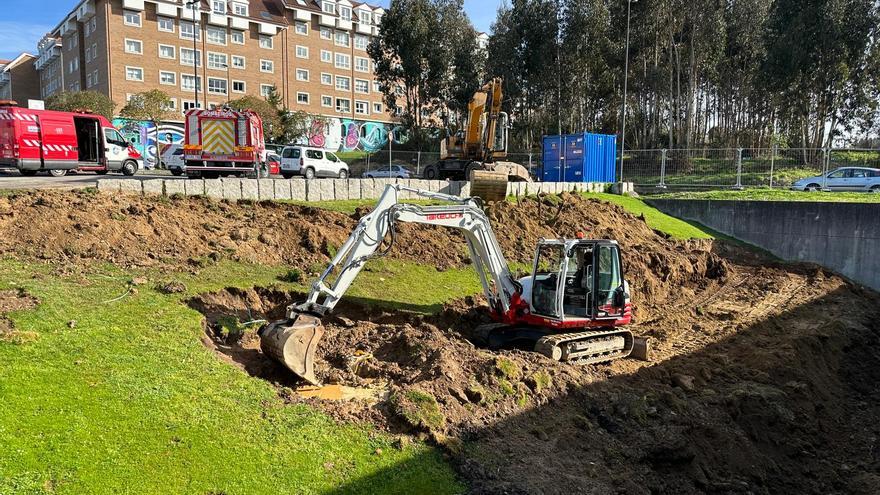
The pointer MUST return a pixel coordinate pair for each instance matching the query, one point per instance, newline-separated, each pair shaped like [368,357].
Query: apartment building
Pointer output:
[312,51]
[19,80]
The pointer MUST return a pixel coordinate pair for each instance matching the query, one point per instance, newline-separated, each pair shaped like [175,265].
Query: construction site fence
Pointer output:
[737,168]
[704,168]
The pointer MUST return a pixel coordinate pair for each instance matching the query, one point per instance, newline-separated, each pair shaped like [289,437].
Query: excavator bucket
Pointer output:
[293,343]
[489,185]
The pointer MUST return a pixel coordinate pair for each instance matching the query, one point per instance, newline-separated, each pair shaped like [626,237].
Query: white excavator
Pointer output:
[571,308]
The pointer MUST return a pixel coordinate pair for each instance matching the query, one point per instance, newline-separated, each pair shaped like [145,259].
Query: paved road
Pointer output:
[11,179]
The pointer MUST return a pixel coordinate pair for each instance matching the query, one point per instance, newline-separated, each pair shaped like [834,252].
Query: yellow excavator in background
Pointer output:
[477,152]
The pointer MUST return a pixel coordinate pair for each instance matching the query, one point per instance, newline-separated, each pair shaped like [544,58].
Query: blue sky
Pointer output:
[24,22]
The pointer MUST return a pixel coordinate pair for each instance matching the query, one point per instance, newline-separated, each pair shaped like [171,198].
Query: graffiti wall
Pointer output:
[351,135]
[150,140]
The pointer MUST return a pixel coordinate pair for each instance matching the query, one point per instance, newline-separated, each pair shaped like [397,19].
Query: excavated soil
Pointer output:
[762,380]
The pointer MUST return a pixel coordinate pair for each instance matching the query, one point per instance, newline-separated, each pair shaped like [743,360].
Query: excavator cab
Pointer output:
[577,280]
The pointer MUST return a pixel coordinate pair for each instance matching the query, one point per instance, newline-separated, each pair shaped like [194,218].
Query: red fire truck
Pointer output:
[223,142]
[45,140]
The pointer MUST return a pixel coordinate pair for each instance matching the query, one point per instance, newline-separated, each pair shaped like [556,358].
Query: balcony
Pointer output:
[303,15]
[327,20]
[217,19]
[365,29]
[238,22]
[87,9]
[49,49]
[133,5]
[343,24]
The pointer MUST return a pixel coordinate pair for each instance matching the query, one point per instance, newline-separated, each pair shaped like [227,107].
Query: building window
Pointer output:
[302,51]
[88,80]
[188,31]
[87,30]
[267,66]
[94,51]
[216,36]
[134,46]
[189,105]
[219,6]
[238,62]
[345,13]
[326,79]
[327,56]
[265,90]
[343,83]
[365,17]
[171,104]
[240,9]
[377,88]
[216,86]
[362,64]
[361,107]
[165,24]
[167,51]
[169,78]
[134,74]
[361,41]
[326,101]
[343,61]
[238,86]
[342,39]
[131,17]
[95,77]
[301,28]
[73,65]
[377,108]
[302,98]
[361,86]
[302,75]
[265,41]
[237,37]
[343,105]
[73,41]
[326,33]
[189,57]
[189,82]
[217,61]
[328,7]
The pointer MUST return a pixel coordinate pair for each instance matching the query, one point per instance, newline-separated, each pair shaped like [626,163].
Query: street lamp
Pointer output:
[625,80]
[194,5]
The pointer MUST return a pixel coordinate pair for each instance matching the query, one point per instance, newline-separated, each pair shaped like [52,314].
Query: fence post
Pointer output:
[772,160]
[418,163]
[662,184]
[739,169]
[368,160]
[824,169]
[530,163]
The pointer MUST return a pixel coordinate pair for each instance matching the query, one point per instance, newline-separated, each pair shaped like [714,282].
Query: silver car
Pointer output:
[860,179]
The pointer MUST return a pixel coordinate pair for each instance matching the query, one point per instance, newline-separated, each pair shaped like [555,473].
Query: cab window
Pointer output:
[544,281]
[112,136]
[287,153]
[332,157]
[579,282]
[858,173]
[314,154]
[608,278]
[838,174]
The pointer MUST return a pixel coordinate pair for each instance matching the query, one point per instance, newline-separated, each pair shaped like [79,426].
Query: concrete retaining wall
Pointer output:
[326,189]
[844,237]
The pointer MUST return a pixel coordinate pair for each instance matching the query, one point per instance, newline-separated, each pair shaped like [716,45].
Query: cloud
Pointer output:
[17,37]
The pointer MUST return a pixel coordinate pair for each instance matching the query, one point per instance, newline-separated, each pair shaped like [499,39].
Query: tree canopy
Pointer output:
[92,101]
[150,105]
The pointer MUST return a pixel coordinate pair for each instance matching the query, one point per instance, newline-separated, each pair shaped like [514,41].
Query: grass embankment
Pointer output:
[118,395]
[776,195]
[657,220]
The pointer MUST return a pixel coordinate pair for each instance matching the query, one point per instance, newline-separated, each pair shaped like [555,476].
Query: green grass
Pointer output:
[776,195]
[657,220]
[128,400]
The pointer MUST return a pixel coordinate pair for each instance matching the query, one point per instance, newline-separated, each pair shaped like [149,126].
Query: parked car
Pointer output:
[273,163]
[173,159]
[311,163]
[395,172]
[842,179]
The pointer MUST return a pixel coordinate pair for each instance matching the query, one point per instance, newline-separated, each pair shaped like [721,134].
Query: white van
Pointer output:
[311,163]
[172,158]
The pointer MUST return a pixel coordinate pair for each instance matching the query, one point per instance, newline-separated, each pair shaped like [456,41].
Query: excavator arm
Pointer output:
[294,341]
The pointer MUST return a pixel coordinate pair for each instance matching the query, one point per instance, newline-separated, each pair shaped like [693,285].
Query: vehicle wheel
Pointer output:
[875,189]
[176,171]
[58,173]
[101,172]
[310,173]
[813,188]
[28,173]
[129,167]
[467,170]
[287,176]
[343,174]
[431,172]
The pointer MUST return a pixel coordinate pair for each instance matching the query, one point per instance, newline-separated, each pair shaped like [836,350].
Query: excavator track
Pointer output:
[596,346]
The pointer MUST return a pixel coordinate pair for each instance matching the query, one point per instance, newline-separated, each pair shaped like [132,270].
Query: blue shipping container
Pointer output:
[583,157]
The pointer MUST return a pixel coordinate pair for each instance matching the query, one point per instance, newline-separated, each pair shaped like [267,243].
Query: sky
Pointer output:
[24,22]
